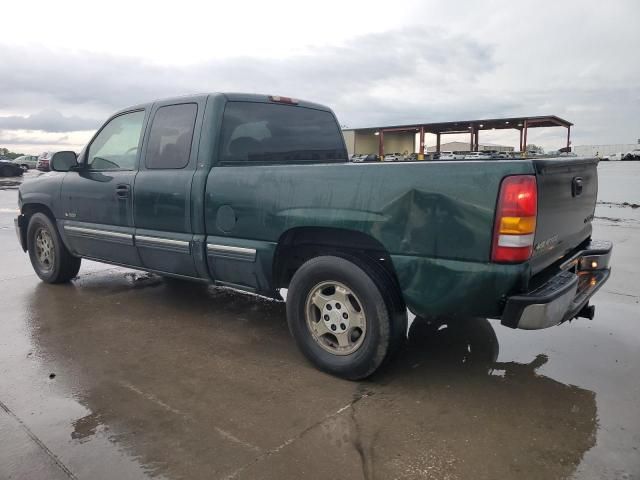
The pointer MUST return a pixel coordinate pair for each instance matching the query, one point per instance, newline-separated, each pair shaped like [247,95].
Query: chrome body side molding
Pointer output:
[228,251]
[181,246]
[98,234]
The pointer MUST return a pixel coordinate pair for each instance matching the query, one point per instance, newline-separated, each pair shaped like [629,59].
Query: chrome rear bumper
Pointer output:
[566,295]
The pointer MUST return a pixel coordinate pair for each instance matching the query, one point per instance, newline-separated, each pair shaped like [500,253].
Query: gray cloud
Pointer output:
[402,76]
[49,120]
[7,138]
[346,77]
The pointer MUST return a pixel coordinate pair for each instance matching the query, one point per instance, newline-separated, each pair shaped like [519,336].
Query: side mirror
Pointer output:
[64,161]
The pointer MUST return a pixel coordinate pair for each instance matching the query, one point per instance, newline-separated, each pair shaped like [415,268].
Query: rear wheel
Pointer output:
[49,257]
[339,318]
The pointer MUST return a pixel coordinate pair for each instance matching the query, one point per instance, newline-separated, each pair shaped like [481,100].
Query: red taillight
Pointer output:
[515,224]
[278,99]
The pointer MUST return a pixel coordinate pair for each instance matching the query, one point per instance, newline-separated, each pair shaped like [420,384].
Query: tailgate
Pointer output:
[567,192]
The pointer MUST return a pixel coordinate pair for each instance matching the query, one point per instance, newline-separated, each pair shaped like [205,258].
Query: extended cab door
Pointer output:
[97,199]
[251,192]
[162,195]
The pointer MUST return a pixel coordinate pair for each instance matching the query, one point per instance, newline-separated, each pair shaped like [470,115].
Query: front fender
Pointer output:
[43,190]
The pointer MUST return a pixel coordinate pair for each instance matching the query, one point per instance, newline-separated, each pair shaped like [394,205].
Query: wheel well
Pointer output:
[29,209]
[298,245]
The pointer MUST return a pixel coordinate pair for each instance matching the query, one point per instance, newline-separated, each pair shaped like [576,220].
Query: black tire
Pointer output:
[368,287]
[62,266]
[24,167]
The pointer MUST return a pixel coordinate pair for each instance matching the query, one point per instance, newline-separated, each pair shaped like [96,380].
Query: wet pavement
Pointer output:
[121,374]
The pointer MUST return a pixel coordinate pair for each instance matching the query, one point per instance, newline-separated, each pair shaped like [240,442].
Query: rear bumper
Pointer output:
[566,295]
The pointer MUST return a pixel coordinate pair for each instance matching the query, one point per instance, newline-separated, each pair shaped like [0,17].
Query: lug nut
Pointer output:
[326,317]
[345,316]
[328,306]
[333,327]
[338,306]
[343,326]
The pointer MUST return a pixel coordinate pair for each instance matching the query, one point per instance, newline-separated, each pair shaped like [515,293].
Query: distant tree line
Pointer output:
[5,152]
[532,147]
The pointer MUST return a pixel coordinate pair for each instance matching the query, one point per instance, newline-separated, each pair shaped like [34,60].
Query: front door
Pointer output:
[98,198]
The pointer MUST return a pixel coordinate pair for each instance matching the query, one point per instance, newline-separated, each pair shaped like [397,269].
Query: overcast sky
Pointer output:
[66,65]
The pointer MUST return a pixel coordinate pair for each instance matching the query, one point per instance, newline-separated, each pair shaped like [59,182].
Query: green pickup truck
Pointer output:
[256,193]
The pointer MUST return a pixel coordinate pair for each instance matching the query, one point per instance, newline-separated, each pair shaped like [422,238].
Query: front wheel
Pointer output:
[49,257]
[338,317]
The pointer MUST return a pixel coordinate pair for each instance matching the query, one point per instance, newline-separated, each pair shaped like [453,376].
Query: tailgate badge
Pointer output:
[547,244]
[576,186]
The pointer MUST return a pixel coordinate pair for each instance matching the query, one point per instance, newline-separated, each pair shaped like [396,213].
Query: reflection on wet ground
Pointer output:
[192,381]
[121,374]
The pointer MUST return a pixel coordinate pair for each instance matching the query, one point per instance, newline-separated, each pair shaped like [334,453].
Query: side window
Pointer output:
[271,133]
[116,146]
[171,135]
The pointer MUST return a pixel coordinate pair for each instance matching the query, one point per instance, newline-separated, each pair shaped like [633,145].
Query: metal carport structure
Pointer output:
[472,127]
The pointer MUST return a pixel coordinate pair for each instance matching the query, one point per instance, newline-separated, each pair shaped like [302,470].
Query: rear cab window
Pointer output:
[171,135]
[267,133]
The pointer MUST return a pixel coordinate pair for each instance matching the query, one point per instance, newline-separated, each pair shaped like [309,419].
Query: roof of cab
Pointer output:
[265,98]
[230,96]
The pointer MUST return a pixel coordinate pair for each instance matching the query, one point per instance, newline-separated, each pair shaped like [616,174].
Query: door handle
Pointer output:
[122,191]
[576,186]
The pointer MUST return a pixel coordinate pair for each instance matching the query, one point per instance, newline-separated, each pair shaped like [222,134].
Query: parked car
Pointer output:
[503,155]
[355,247]
[44,160]
[365,157]
[477,156]
[10,169]
[632,155]
[26,161]
[393,157]
[451,156]
[613,157]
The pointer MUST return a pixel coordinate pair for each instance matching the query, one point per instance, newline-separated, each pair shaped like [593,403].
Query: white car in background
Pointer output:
[614,157]
[477,156]
[27,161]
[393,157]
[451,156]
